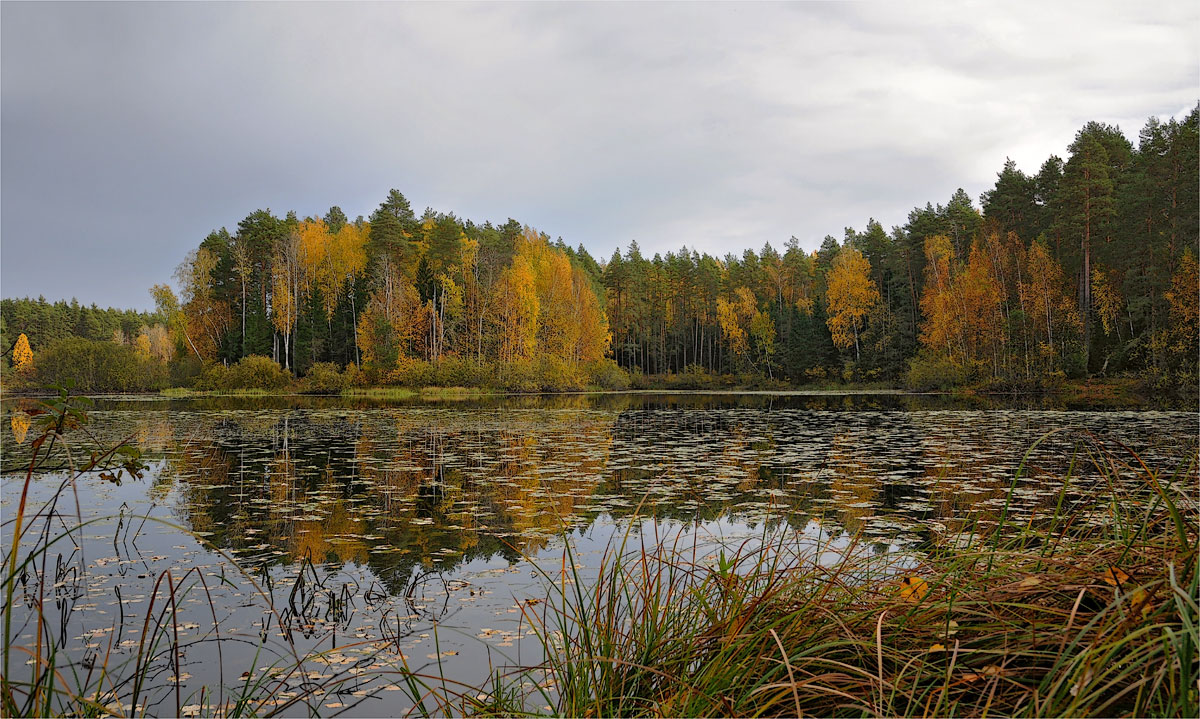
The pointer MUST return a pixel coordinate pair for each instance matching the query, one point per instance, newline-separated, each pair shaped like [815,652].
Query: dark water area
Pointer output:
[416,533]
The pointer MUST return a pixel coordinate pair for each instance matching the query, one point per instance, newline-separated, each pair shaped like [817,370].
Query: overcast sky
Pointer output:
[129,131]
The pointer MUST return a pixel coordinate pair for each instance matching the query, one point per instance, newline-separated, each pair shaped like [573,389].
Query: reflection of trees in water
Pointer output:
[867,478]
[696,466]
[403,494]
[408,491]
[853,488]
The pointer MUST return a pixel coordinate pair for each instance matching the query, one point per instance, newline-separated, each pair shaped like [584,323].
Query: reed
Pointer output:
[1061,615]
[42,678]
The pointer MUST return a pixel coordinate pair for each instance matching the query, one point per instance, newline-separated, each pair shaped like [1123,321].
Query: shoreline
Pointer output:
[1108,394]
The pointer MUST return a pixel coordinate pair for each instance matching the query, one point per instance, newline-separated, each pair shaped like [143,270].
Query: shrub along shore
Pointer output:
[103,367]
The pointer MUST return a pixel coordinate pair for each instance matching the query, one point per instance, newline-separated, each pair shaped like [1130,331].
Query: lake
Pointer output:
[385,534]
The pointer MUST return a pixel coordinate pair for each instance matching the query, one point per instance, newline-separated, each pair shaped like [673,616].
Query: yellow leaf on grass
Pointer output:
[991,670]
[1113,576]
[937,648]
[913,589]
[1140,601]
[1030,581]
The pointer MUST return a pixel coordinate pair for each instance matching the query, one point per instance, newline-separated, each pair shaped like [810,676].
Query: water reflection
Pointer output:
[369,527]
[420,487]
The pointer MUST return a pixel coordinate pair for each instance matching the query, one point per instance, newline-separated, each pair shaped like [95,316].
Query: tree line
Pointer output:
[1086,267]
[382,293]
[44,322]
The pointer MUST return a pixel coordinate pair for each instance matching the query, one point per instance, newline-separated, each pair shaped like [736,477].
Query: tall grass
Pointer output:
[43,677]
[1061,615]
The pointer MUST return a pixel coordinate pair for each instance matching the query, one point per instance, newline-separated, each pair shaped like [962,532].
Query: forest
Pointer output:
[1085,268]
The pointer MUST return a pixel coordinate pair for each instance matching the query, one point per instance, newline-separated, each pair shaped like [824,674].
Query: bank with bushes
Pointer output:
[97,366]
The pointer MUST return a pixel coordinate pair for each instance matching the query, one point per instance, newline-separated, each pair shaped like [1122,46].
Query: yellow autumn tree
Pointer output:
[283,304]
[741,320]
[168,307]
[206,318]
[516,310]
[391,322]
[347,259]
[594,337]
[542,303]
[442,310]
[22,355]
[734,317]
[1107,299]
[558,328]
[850,296]
[141,344]
[1185,309]
[162,347]
[941,328]
[475,301]
[287,279]
[1185,305]
[982,323]
[762,330]
[313,247]
[1051,308]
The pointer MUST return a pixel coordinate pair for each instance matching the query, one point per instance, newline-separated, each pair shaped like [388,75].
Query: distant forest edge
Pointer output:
[1086,268]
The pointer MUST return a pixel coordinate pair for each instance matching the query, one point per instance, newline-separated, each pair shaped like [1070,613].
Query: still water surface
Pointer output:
[413,532]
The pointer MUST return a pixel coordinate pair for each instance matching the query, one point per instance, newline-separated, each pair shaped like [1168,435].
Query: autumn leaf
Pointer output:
[1114,576]
[913,589]
[1139,600]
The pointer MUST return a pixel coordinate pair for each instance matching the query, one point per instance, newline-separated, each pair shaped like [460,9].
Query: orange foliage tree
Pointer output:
[850,295]
[22,355]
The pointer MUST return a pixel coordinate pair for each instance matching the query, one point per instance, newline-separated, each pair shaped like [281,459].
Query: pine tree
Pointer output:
[1087,197]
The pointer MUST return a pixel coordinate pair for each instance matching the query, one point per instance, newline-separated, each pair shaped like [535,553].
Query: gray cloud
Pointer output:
[129,131]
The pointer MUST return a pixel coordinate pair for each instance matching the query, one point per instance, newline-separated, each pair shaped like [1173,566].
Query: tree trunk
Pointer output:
[243,347]
[1087,278]
[354,324]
